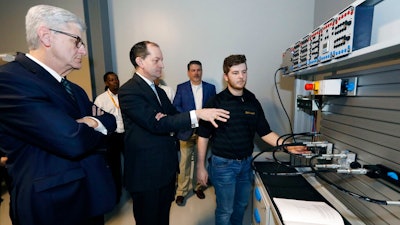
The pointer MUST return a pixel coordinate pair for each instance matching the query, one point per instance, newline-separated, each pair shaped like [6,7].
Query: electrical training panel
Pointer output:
[338,37]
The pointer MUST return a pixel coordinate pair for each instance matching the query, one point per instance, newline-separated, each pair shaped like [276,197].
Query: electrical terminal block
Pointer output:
[338,37]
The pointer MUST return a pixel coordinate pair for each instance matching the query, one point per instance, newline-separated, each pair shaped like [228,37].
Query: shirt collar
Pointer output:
[110,92]
[196,86]
[50,70]
[228,94]
[149,82]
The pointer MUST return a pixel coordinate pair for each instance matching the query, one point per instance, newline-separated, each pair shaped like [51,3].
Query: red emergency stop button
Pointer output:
[309,87]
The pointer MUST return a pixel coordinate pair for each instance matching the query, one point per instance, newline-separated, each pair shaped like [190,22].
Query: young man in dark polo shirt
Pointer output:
[232,143]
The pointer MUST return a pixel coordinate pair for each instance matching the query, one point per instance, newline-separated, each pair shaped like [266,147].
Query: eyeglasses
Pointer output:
[78,41]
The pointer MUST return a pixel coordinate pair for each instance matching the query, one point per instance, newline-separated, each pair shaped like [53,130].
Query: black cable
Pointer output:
[280,100]
[293,136]
[313,170]
[274,150]
[281,147]
[261,152]
[365,198]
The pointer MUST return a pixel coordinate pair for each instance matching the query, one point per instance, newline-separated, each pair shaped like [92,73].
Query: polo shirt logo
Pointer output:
[249,113]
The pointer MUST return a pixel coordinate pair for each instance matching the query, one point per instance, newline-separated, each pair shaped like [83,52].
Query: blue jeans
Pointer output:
[232,180]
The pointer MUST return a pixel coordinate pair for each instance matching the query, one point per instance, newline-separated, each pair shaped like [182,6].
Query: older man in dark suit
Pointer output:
[51,133]
[150,120]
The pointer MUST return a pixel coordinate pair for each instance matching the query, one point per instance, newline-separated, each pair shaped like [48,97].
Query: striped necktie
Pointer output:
[67,87]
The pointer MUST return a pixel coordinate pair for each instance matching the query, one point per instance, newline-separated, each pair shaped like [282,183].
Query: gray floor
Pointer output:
[195,212]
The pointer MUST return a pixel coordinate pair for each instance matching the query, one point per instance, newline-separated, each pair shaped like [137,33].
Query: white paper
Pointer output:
[299,212]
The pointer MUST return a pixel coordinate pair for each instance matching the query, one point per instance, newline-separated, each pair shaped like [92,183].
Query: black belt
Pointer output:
[239,158]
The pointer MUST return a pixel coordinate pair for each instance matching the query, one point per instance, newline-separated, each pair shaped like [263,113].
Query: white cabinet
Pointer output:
[263,212]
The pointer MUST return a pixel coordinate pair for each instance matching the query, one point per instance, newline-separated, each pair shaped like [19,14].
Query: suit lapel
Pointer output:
[206,94]
[147,90]
[52,85]
[190,95]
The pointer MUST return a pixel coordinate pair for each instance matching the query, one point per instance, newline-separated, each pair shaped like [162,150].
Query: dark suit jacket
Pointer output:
[184,102]
[151,159]
[58,175]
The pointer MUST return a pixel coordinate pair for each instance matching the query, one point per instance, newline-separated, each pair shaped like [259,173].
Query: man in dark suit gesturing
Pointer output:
[150,120]
[51,133]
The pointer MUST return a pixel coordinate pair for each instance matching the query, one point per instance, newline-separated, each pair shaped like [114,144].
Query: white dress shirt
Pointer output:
[108,102]
[198,95]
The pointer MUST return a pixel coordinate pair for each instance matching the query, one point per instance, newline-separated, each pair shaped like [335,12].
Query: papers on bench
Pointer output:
[299,212]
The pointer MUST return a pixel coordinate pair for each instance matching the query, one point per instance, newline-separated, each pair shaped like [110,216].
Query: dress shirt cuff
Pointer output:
[193,119]
[100,128]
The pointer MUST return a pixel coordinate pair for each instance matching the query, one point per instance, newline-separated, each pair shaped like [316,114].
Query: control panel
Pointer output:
[345,32]
[342,33]
[346,86]
[314,47]
[325,49]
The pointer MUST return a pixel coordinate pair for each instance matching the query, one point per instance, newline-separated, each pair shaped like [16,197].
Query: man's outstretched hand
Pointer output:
[212,115]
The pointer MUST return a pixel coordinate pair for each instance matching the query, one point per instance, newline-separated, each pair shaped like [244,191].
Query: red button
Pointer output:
[309,87]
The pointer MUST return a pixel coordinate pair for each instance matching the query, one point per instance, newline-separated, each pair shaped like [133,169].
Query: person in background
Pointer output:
[108,101]
[4,176]
[150,119]
[232,143]
[3,159]
[190,95]
[168,90]
[50,131]
[3,171]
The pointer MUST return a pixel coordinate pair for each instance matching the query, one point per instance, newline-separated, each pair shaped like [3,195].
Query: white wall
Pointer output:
[12,17]
[326,9]
[211,30]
